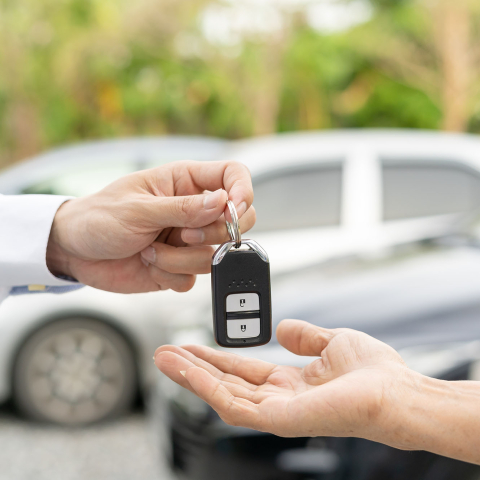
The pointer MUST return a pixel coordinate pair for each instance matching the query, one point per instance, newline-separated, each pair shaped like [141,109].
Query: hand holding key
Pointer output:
[150,230]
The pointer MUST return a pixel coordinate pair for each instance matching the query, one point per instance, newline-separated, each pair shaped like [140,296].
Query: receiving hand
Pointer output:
[346,392]
[150,230]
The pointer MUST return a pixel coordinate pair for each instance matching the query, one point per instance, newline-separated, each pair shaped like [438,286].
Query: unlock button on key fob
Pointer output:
[243,302]
[244,328]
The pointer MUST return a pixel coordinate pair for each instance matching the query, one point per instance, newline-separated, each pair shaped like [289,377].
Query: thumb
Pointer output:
[303,338]
[191,211]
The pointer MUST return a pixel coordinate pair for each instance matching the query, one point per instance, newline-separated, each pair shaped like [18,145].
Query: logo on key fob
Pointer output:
[243,327]
[242,302]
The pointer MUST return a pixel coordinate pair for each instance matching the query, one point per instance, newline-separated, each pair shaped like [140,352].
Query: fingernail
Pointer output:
[193,235]
[241,209]
[149,254]
[144,261]
[183,372]
[212,199]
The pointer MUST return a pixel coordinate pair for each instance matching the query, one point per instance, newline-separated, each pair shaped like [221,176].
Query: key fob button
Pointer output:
[241,299]
[243,302]
[245,328]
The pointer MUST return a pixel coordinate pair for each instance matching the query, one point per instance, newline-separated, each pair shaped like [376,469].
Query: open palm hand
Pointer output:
[343,393]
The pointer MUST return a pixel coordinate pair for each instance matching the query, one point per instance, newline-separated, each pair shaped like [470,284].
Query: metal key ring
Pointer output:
[234,227]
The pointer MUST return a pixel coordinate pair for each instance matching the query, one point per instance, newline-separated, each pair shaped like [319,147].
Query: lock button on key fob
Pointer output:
[241,295]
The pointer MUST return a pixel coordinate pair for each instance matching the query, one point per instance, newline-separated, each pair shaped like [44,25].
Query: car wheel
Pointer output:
[74,371]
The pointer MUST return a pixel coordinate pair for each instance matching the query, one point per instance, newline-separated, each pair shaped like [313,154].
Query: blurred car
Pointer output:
[85,356]
[342,192]
[321,195]
[423,298]
[317,196]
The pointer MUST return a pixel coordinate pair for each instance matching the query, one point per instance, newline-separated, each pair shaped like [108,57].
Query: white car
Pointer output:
[317,196]
[321,195]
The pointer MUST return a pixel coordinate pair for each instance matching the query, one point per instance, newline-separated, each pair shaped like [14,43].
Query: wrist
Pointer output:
[58,256]
[418,413]
[404,412]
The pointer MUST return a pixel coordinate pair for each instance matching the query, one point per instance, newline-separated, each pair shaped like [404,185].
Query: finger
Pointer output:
[303,338]
[189,211]
[175,281]
[317,373]
[183,260]
[171,365]
[206,366]
[216,232]
[238,183]
[253,371]
[234,177]
[232,410]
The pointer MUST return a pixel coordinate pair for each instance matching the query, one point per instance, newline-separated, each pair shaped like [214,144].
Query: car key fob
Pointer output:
[242,312]
[241,295]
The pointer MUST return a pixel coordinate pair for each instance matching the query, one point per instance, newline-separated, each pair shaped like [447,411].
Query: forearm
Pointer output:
[441,417]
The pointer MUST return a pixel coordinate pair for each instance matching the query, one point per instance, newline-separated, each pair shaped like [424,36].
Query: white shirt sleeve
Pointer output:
[25,224]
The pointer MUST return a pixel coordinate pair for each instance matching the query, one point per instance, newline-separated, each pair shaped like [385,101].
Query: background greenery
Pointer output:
[83,69]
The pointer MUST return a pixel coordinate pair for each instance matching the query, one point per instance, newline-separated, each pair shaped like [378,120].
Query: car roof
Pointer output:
[259,154]
[276,151]
[141,150]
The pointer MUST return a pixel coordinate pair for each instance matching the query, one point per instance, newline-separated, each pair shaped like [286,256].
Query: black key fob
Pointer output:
[242,312]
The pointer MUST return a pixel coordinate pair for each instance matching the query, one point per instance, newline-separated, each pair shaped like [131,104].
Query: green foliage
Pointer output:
[80,69]
[392,104]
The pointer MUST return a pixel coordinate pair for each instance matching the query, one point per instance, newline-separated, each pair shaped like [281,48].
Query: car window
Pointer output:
[303,197]
[419,189]
[81,180]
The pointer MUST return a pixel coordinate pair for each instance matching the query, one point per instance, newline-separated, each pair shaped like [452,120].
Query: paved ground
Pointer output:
[120,450]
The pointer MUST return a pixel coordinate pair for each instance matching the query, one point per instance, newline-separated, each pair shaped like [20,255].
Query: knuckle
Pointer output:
[166,262]
[185,284]
[158,277]
[239,166]
[185,206]
[232,164]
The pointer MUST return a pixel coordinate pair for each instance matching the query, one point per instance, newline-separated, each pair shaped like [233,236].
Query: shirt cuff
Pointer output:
[26,290]
[25,224]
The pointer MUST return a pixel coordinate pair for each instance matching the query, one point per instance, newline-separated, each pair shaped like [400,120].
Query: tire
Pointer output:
[75,371]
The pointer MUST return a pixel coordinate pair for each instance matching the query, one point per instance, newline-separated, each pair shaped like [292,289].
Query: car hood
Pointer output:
[416,298]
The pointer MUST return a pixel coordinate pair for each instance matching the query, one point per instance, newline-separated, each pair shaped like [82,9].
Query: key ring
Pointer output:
[234,227]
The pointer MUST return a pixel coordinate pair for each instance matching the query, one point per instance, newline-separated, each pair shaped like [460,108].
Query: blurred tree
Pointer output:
[431,45]
[79,69]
